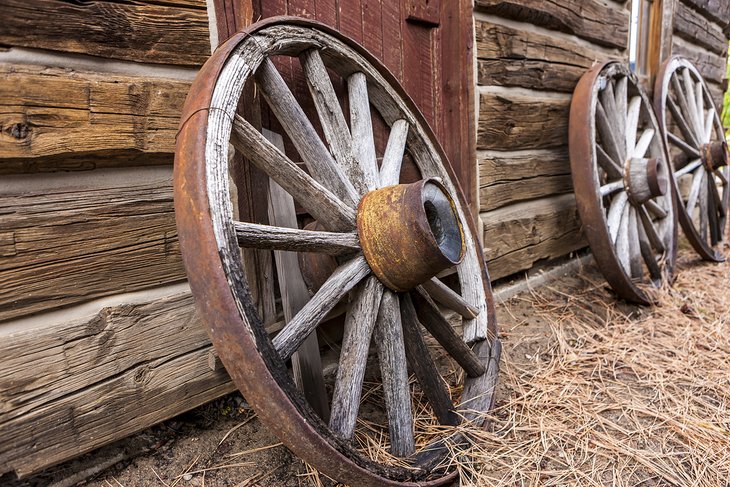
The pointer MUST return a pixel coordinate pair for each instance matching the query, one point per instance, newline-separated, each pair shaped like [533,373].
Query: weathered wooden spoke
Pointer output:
[439,327]
[332,291]
[331,117]
[282,238]
[622,181]
[681,99]
[444,295]
[423,365]
[335,262]
[683,145]
[394,151]
[359,325]
[394,372]
[327,208]
[362,128]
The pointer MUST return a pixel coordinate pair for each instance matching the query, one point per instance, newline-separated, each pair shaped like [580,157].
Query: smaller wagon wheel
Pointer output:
[698,152]
[622,181]
[390,239]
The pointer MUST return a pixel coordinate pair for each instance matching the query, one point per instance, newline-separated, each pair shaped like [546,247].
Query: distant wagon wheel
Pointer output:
[389,240]
[622,181]
[698,151]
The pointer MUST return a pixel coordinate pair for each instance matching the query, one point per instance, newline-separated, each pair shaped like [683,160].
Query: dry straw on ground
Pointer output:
[596,392]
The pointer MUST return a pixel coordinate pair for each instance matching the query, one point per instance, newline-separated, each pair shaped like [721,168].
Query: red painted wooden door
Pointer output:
[426,44]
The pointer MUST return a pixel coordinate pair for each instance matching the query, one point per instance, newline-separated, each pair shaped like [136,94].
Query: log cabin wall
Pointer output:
[98,332]
[529,58]
[698,35]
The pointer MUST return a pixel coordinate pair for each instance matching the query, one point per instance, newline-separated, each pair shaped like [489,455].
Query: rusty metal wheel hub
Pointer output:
[409,233]
[714,155]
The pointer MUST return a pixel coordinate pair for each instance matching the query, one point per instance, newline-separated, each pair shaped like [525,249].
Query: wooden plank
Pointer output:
[510,56]
[143,31]
[512,119]
[508,177]
[693,27]
[50,112]
[596,21]
[519,235]
[153,354]
[71,245]
[716,10]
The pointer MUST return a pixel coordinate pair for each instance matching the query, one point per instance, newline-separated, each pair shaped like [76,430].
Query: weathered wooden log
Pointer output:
[509,56]
[69,238]
[716,10]
[517,236]
[147,31]
[595,21]
[49,112]
[152,353]
[510,120]
[693,27]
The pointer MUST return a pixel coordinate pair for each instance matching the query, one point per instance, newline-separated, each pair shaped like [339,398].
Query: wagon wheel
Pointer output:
[698,152]
[622,181]
[389,240]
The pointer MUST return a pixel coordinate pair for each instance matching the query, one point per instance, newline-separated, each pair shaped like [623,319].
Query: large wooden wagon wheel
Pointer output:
[698,152]
[622,181]
[390,240]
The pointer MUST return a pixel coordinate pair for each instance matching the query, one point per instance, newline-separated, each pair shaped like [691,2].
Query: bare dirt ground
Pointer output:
[592,391]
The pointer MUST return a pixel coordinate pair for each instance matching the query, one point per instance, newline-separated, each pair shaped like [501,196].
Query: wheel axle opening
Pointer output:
[646,179]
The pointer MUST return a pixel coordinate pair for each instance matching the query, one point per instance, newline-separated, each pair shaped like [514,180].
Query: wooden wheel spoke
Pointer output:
[694,191]
[443,294]
[613,220]
[650,231]
[331,117]
[394,372]
[686,148]
[270,237]
[643,144]
[681,122]
[359,325]
[713,206]
[340,283]
[647,254]
[362,129]
[632,122]
[655,209]
[635,259]
[704,214]
[689,96]
[424,367]
[715,193]
[394,151]
[622,241]
[319,201]
[690,167]
[709,124]
[430,317]
[613,169]
[621,94]
[609,139]
[609,188]
[608,101]
[302,134]
[700,101]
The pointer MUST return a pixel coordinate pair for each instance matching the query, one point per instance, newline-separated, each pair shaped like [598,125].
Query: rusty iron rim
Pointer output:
[586,173]
[662,89]
[233,322]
